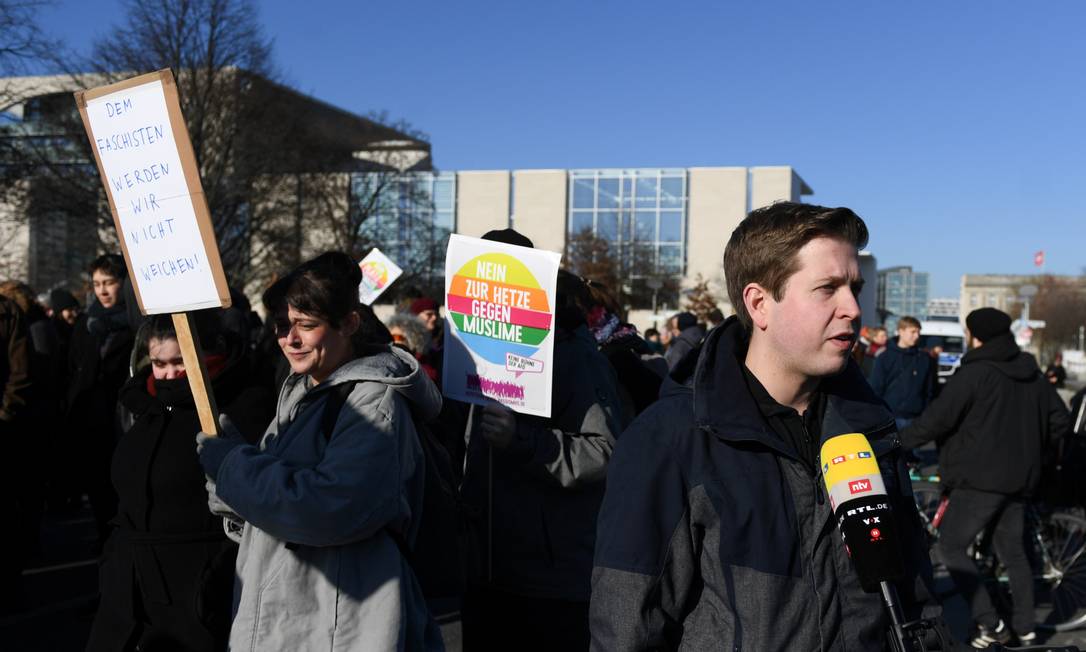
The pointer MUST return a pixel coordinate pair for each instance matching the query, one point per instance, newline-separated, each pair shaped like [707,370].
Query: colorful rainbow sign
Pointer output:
[499,300]
[378,272]
[499,307]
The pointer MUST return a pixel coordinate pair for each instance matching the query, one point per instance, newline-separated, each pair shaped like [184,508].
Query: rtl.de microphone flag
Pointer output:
[859,502]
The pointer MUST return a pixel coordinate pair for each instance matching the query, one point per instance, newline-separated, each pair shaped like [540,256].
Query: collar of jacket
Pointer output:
[892,345]
[724,405]
[998,349]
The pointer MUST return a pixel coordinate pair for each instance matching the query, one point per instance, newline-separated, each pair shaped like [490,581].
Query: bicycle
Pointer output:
[1055,545]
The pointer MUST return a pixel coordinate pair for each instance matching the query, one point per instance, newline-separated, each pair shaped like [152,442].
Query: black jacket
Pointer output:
[98,365]
[992,421]
[167,562]
[904,378]
[715,535]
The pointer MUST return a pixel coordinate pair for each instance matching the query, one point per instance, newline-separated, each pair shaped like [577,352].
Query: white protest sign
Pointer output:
[499,338]
[147,165]
[378,272]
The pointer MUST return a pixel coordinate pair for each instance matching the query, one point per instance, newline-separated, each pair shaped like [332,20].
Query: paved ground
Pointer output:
[60,601]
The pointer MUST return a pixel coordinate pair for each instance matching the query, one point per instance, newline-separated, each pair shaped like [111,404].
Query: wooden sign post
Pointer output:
[149,171]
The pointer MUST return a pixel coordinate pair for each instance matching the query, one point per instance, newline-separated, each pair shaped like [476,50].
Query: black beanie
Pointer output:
[986,323]
[508,236]
[61,299]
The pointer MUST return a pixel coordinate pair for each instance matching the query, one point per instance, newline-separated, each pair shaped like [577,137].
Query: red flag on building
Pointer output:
[1039,258]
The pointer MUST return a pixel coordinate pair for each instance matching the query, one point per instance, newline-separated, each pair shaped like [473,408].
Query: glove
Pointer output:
[213,450]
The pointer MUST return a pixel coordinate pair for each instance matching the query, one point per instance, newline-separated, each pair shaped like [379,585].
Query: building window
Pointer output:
[410,218]
[634,220]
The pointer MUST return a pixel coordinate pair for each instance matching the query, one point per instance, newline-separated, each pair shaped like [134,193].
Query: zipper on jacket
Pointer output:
[818,465]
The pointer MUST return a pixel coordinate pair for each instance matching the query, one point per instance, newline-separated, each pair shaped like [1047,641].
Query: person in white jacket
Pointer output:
[325,514]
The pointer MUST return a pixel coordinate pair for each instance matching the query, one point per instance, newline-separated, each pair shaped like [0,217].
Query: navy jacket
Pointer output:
[713,534]
[904,378]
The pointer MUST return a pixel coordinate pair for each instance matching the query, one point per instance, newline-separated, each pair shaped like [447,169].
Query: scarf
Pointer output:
[215,362]
[606,327]
[105,321]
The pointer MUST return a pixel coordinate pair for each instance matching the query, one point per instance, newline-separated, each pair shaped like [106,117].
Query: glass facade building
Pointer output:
[904,292]
[409,217]
[641,214]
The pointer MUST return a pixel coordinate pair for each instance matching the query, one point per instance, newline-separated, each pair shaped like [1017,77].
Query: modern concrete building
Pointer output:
[991,291]
[284,210]
[903,292]
[672,223]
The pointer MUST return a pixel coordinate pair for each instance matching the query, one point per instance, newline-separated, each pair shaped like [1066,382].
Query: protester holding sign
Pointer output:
[334,488]
[536,484]
[167,573]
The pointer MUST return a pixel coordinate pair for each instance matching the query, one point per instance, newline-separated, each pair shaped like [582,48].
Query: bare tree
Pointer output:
[275,165]
[700,300]
[630,271]
[1061,303]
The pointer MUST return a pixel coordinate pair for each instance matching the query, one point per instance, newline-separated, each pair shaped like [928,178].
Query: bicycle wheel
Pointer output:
[927,496]
[1061,574]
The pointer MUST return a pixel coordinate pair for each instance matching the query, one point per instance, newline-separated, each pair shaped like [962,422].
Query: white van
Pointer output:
[950,336]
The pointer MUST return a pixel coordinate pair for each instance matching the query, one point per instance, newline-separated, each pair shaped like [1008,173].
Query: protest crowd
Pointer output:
[672,499]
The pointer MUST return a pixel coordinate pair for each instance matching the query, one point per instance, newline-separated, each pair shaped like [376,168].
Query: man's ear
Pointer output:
[756,299]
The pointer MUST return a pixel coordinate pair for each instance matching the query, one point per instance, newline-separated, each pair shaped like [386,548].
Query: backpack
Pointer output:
[437,558]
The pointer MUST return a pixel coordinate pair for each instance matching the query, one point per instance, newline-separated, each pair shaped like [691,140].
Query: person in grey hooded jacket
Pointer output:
[320,564]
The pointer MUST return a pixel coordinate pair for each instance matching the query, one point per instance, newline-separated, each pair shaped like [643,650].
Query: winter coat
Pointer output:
[317,567]
[904,378]
[684,343]
[98,365]
[638,382]
[547,486]
[167,563]
[993,421]
[14,362]
[714,535]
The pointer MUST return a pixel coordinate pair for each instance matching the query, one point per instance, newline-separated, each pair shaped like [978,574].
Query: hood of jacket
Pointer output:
[851,405]
[1003,354]
[386,364]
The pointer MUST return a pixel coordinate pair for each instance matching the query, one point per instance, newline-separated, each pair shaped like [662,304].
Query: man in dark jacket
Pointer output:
[685,336]
[992,421]
[904,376]
[98,364]
[533,488]
[715,531]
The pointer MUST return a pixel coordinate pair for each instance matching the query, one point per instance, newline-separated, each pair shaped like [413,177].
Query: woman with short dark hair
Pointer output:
[334,488]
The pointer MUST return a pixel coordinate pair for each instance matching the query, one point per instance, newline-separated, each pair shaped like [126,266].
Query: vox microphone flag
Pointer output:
[862,509]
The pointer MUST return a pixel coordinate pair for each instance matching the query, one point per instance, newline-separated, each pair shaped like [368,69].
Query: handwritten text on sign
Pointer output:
[135,142]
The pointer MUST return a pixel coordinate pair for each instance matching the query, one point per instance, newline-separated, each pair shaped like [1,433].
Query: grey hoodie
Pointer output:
[317,568]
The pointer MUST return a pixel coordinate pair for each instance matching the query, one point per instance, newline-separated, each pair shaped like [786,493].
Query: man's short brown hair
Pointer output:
[763,247]
[906,322]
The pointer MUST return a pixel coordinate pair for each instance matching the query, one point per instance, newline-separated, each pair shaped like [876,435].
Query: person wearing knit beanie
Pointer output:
[986,323]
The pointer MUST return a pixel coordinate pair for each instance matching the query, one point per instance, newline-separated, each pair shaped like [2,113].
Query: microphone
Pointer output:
[862,509]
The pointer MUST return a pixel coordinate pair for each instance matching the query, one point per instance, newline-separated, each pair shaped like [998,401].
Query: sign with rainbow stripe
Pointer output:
[378,272]
[499,343]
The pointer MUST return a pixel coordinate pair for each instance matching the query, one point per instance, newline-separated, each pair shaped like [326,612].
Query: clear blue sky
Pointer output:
[956,129]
